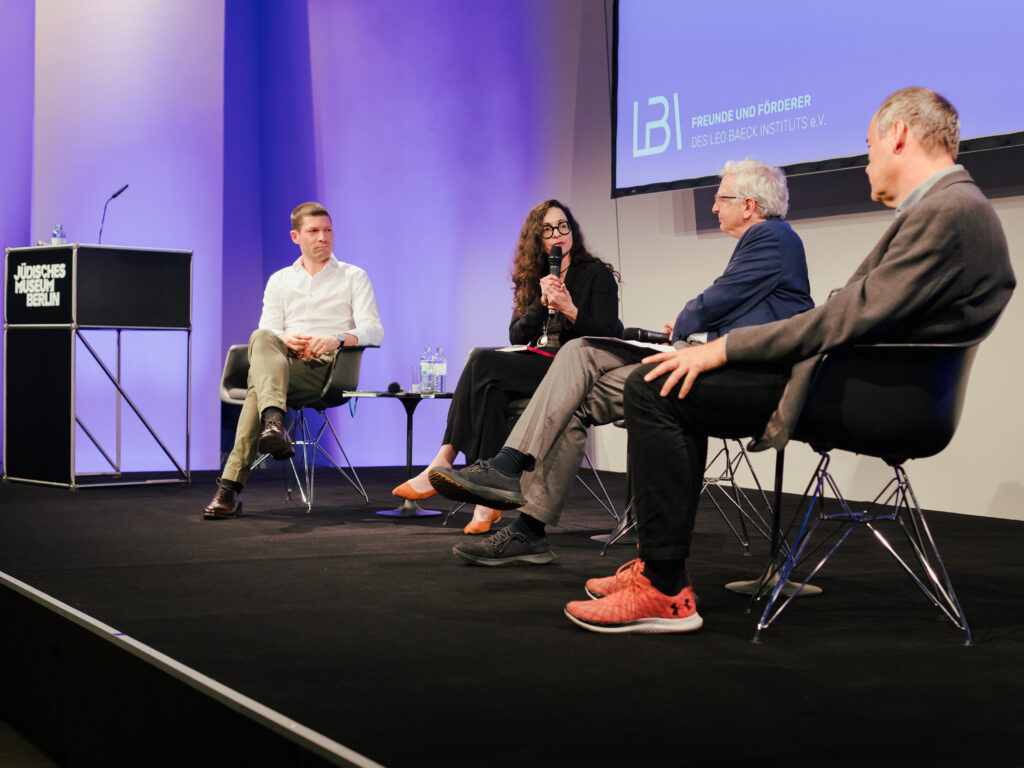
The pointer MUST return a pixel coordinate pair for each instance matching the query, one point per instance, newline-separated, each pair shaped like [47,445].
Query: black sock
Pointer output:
[510,462]
[231,484]
[667,576]
[272,413]
[531,526]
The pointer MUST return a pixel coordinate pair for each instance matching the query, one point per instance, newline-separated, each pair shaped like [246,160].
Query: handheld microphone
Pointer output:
[645,336]
[554,268]
[99,238]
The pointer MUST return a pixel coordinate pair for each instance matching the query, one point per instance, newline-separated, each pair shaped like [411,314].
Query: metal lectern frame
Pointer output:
[104,319]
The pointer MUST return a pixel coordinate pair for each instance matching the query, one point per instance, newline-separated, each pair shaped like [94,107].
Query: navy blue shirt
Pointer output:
[765,280]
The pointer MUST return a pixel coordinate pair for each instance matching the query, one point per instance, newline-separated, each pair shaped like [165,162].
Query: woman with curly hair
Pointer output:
[584,298]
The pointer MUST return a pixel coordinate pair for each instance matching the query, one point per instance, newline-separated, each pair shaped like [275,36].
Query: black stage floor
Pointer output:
[367,630]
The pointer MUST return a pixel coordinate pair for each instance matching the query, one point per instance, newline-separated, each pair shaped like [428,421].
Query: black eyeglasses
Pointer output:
[547,231]
[720,198]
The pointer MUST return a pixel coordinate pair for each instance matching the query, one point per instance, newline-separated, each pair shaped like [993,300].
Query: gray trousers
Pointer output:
[582,388]
[275,376]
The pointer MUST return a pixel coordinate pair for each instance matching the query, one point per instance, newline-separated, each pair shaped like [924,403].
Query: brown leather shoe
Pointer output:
[274,440]
[225,504]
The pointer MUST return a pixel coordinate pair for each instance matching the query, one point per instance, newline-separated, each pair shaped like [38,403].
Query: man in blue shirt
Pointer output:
[940,274]
[765,279]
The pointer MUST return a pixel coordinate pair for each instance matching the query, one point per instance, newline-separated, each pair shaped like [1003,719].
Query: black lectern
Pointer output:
[52,294]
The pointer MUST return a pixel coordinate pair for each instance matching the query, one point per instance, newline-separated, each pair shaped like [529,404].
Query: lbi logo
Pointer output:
[659,129]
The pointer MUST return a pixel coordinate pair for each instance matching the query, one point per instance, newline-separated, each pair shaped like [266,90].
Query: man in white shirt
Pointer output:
[310,309]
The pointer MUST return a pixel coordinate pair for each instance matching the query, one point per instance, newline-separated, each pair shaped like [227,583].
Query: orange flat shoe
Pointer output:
[405,491]
[482,526]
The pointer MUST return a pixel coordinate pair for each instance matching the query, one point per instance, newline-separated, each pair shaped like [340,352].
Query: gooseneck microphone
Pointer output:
[554,268]
[648,337]
[99,239]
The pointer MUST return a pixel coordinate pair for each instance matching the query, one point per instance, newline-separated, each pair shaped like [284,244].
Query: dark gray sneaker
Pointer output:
[507,546]
[479,483]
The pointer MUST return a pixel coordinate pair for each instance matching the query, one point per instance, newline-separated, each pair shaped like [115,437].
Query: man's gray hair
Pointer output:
[763,183]
[932,120]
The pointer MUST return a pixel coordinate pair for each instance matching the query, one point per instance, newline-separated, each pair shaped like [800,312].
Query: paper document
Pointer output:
[643,348]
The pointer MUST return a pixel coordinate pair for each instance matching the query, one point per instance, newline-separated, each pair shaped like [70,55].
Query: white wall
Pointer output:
[981,472]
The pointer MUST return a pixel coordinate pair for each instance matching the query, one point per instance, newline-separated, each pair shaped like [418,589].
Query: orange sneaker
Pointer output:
[603,586]
[637,607]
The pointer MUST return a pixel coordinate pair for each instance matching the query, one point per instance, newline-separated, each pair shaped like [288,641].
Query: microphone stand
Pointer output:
[99,238]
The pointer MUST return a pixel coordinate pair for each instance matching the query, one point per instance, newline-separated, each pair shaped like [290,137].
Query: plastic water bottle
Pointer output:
[57,237]
[441,371]
[427,371]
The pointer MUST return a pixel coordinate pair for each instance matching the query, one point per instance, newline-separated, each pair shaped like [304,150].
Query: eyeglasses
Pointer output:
[720,198]
[547,231]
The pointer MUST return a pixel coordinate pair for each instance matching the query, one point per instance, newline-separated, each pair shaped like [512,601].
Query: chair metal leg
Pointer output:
[294,427]
[776,582]
[606,501]
[900,505]
[451,512]
[721,486]
[354,480]
[627,523]
[933,579]
[300,431]
[308,445]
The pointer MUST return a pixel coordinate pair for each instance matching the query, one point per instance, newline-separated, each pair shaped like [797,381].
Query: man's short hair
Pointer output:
[764,183]
[307,209]
[932,120]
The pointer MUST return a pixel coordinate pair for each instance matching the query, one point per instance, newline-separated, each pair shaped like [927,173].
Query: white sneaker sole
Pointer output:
[648,626]
[536,559]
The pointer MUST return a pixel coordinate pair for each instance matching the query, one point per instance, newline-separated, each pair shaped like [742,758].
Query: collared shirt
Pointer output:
[919,191]
[338,299]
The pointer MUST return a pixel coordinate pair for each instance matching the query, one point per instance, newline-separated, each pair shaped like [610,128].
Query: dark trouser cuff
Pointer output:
[234,486]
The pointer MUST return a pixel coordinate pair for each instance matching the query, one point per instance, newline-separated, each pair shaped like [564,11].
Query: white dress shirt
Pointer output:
[338,299]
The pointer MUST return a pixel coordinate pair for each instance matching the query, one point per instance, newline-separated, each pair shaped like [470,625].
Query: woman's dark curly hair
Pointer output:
[531,263]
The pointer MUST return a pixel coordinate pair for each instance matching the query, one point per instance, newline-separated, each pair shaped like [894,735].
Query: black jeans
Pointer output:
[477,417]
[668,444]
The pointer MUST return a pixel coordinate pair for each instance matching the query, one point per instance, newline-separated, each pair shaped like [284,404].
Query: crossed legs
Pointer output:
[274,375]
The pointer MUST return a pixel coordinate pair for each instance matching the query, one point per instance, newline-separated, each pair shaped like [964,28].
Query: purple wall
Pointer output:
[433,139]
[17,37]
[138,99]
[428,132]
[242,248]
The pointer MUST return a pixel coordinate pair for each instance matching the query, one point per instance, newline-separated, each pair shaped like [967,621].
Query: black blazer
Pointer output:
[596,296]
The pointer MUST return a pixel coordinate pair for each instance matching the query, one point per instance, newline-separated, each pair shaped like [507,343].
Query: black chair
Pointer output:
[895,402]
[343,377]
